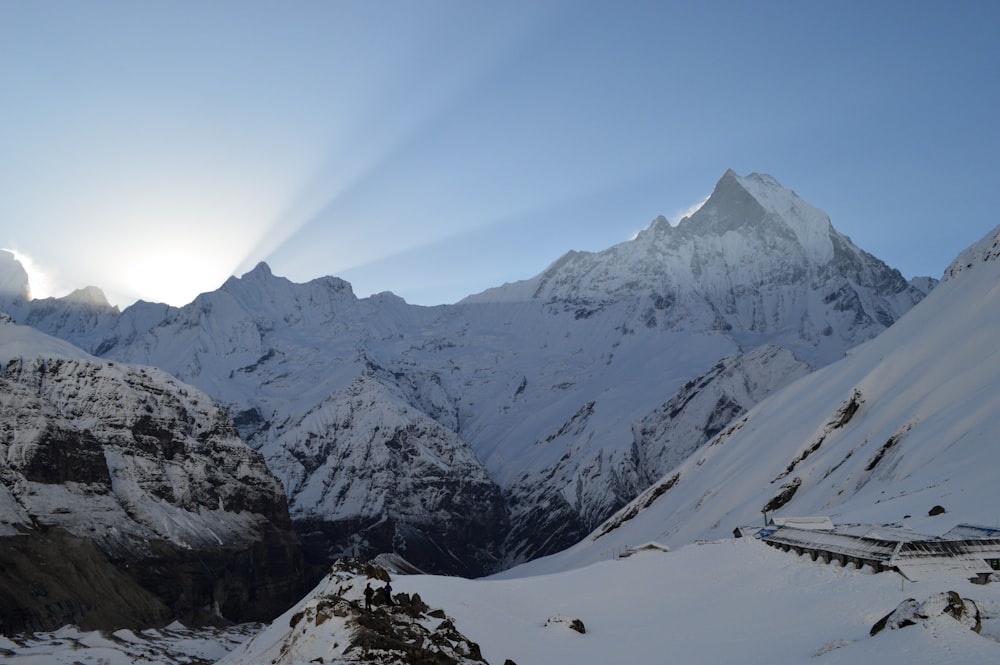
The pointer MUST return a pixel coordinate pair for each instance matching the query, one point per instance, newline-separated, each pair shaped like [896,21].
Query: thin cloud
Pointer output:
[687,212]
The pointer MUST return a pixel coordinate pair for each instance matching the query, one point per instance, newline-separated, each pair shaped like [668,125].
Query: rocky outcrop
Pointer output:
[569,622]
[335,624]
[911,612]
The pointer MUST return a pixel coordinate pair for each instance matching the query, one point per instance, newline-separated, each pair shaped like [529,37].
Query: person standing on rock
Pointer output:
[369,592]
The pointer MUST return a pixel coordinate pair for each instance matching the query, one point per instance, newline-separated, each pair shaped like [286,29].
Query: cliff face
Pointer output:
[126,496]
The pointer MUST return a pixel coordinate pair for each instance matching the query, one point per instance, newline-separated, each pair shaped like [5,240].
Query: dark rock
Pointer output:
[571,623]
[936,510]
[62,455]
[50,578]
[394,635]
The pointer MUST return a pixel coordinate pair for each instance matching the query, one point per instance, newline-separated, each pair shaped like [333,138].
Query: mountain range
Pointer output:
[472,437]
[897,437]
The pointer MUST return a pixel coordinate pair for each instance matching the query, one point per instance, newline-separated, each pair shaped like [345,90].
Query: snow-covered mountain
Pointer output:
[522,399]
[126,497]
[81,314]
[755,261]
[901,431]
[708,403]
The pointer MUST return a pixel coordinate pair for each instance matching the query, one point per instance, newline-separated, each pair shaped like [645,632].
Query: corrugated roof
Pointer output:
[963,550]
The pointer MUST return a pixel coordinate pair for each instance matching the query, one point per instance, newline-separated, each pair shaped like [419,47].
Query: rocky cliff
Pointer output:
[127,498]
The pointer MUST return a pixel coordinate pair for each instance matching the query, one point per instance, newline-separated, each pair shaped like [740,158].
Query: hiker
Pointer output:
[388,593]
[369,592]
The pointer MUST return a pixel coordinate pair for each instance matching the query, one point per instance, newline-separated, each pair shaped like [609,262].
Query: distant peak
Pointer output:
[89,295]
[259,270]
[13,277]
[758,201]
[753,183]
[763,179]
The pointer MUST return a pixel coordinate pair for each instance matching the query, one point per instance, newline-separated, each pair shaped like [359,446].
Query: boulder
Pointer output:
[573,624]
[910,612]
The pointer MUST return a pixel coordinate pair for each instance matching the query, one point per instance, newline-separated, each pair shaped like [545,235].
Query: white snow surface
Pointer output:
[724,602]
[26,342]
[728,602]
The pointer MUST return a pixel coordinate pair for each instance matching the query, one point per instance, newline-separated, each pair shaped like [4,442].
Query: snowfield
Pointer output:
[726,602]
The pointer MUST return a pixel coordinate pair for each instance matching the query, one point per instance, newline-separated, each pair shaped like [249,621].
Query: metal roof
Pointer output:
[963,550]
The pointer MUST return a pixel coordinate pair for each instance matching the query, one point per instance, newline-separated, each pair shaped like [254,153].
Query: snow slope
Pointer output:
[726,602]
[904,423]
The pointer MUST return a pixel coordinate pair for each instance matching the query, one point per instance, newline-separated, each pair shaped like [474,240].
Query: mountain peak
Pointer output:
[758,200]
[13,277]
[260,271]
[89,295]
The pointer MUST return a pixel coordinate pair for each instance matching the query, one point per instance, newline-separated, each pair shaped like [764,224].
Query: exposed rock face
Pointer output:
[50,578]
[910,612]
[126,498]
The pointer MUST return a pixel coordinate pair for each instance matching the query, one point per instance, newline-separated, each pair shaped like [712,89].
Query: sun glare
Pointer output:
[174,277]
[38,280]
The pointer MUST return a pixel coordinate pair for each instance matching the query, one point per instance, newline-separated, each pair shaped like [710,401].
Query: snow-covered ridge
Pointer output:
[987,249]
[26,342]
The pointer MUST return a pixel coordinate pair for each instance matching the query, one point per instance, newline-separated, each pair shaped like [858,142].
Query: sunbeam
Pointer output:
[331,136]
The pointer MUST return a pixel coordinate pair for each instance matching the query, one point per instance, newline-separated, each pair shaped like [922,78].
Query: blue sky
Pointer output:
[435,148]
